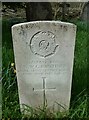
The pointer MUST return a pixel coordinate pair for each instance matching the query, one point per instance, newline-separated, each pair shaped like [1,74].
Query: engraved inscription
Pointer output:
[43,68]
[43,44]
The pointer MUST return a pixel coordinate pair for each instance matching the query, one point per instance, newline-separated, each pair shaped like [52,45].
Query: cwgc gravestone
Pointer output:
[44,53]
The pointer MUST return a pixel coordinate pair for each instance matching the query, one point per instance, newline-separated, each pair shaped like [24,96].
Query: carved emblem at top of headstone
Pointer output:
[43,43]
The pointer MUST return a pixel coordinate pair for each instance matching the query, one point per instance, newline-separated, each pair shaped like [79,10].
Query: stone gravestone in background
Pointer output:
[44,53]
[85,13]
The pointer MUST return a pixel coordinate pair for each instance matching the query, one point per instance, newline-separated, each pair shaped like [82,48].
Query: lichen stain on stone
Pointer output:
[17,29]
[31,25]
[65,28]
[27,43]
[61,26]
[54,24]
[26,26]
[22,30]
[74,28]
[21,26]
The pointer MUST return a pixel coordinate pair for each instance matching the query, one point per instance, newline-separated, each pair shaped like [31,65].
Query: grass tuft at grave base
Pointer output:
[10,105]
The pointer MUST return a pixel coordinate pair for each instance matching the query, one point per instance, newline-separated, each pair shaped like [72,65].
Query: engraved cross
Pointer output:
[44,90]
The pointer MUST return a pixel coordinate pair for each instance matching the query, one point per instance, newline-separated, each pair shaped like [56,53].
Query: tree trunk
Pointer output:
[38,11]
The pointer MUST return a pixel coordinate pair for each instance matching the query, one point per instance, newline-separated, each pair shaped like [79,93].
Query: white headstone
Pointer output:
[44,53]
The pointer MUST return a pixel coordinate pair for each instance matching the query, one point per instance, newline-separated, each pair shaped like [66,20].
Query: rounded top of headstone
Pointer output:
[39,22]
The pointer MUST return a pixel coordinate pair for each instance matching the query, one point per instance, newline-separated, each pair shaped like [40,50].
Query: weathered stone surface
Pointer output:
[44,53]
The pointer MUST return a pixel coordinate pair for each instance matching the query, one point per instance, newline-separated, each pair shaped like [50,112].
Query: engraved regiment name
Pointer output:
[42,68]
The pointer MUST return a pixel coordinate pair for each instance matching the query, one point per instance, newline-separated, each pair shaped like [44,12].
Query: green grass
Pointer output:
[10,106]
[80,60]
